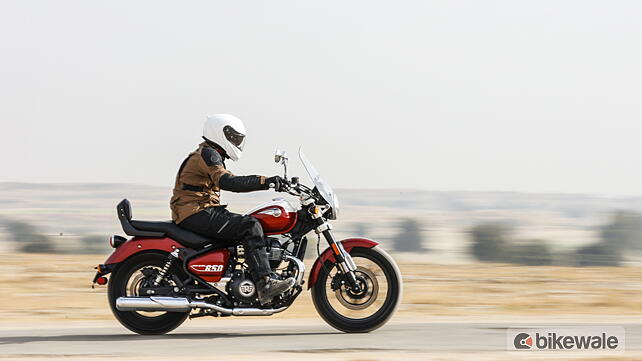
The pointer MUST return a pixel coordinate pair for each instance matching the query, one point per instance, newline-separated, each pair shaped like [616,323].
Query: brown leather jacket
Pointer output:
[198,183]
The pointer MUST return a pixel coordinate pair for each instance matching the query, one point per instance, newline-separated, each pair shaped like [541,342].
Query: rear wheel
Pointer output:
[364,311]
[133,274]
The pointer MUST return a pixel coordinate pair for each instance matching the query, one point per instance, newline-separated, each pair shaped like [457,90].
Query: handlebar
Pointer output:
[293,187]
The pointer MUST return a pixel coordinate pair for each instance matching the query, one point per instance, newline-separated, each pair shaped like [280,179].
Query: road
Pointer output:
[265,339]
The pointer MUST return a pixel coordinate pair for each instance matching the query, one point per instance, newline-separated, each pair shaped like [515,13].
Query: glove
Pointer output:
[276,182]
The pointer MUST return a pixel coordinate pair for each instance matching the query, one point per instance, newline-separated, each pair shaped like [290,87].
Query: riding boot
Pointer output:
[268,285]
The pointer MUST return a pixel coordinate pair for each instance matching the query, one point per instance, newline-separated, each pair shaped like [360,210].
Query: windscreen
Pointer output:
[324,188]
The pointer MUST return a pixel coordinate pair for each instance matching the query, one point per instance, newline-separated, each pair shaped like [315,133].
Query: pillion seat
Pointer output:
[158,229]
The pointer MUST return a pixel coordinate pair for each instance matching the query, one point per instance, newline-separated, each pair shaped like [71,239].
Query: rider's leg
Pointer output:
[268,286]
[230,228]
[218,223]
[254,246]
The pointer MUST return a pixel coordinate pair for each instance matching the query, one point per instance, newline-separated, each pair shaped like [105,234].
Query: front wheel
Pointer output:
[367,310]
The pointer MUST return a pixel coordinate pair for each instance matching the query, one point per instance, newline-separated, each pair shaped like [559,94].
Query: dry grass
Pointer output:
[58,288]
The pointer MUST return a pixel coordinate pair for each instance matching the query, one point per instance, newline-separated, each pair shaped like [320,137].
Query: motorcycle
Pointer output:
[164,274]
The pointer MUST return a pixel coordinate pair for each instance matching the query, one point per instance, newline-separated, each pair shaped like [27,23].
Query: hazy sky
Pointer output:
[542,96]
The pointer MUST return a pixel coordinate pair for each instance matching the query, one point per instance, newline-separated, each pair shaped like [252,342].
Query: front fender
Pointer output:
[327,255]
[138,244]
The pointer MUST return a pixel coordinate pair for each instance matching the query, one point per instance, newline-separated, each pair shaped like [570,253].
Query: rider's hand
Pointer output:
[276,182]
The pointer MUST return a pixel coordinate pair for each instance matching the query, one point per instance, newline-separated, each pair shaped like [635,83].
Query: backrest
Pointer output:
[124,209]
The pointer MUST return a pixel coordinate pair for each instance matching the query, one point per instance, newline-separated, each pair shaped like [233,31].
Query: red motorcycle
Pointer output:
[164,274]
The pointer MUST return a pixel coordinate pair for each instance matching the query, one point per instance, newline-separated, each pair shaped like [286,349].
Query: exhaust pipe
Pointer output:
[182,304]
[169,304]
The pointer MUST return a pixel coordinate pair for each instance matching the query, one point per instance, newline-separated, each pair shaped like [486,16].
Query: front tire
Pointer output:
[350,312]
[120,285]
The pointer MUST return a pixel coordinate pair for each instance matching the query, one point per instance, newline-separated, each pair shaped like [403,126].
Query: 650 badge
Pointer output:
[207,267]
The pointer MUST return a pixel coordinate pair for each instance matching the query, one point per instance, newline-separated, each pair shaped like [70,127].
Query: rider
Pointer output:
[195,202]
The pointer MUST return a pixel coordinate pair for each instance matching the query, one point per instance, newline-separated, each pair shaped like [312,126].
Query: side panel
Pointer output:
[210,266]
[327,255]
[140,244]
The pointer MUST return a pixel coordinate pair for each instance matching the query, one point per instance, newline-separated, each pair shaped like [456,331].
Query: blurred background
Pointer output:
[492,147]
[456,227]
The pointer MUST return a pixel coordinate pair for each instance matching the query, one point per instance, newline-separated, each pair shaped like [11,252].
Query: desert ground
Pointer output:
[449,311]
[54,288]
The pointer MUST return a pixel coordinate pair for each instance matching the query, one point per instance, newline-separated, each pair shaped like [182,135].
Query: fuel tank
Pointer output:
[276,217]
[210,266]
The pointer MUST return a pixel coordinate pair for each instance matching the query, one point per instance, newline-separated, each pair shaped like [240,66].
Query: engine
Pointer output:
[275,252]
[242,287]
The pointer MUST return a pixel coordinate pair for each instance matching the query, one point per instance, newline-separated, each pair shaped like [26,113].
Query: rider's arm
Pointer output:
[239,184]
[225,179]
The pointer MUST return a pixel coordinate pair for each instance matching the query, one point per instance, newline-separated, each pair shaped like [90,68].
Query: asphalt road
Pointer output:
[268,339]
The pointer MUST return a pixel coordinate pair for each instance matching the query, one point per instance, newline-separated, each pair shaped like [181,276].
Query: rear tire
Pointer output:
[394,287]
[134,321]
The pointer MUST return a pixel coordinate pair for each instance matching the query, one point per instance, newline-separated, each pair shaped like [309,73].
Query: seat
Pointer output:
[158,229]
[174,231]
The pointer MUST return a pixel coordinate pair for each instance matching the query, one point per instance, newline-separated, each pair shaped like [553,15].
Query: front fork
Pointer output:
[344,260]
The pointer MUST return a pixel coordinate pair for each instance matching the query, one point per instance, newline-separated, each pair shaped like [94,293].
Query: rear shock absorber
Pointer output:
[163,272]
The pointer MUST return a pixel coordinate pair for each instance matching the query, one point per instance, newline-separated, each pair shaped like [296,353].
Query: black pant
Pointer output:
[231,229]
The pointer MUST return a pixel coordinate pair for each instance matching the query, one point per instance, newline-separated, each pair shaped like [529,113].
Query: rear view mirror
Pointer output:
[280,156]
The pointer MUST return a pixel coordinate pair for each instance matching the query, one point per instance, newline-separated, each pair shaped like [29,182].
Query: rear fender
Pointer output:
[134,246]
[142,244]
[327,255]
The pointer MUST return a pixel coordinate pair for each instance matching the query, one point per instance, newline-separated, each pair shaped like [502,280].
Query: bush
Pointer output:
[93,244]
[533,253]
[28,238]
[598,254]
[624,231]
[409,238]
[489,242]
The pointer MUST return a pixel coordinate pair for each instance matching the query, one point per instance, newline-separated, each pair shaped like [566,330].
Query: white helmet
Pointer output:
[228,132]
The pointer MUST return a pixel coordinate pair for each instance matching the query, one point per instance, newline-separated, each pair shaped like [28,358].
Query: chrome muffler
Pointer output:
[182,304]
[169,304]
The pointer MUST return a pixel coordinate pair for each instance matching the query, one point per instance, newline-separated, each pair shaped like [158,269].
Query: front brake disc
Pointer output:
[364,299]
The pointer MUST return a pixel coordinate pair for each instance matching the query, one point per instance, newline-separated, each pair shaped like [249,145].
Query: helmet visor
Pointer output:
[237,139]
